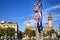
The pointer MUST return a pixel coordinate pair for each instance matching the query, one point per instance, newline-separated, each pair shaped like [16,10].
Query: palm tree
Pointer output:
[27,32]
[33,33]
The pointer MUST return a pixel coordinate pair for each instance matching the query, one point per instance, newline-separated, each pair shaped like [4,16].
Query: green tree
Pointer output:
[10,31]
[33,33]
[0,32]
[20,34]
[4,31]
[50,32]
[7,32]
[56,34]
[44,34]
[27,31]
[30,33]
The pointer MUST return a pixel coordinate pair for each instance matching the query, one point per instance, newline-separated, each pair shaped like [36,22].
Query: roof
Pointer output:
[8,22]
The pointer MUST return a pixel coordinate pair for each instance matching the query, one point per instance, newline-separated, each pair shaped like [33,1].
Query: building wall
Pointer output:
[50,23]
[9,24]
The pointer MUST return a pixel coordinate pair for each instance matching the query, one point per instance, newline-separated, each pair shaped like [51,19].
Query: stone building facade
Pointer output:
[4,24]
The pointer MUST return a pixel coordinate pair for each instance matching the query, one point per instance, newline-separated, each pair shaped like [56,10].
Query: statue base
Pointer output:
[39,36]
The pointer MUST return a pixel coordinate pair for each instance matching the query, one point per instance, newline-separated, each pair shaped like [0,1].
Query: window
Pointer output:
[14,25]
[10,25]
[7,25]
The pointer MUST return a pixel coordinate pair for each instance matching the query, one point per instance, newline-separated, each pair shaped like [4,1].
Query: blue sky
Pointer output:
[20,10]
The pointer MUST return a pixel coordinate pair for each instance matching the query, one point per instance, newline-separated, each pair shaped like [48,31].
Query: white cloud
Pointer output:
[51,8]
[45,13]
[18,18]
[56,17]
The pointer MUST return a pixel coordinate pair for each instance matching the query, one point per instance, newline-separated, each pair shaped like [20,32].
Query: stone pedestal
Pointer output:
[39,36]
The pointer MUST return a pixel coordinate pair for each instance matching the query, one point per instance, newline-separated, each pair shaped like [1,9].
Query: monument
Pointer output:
[38,19]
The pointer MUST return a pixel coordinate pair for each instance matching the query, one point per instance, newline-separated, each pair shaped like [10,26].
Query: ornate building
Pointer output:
[49,27]
[45,29]
[4,24]
[28,26]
